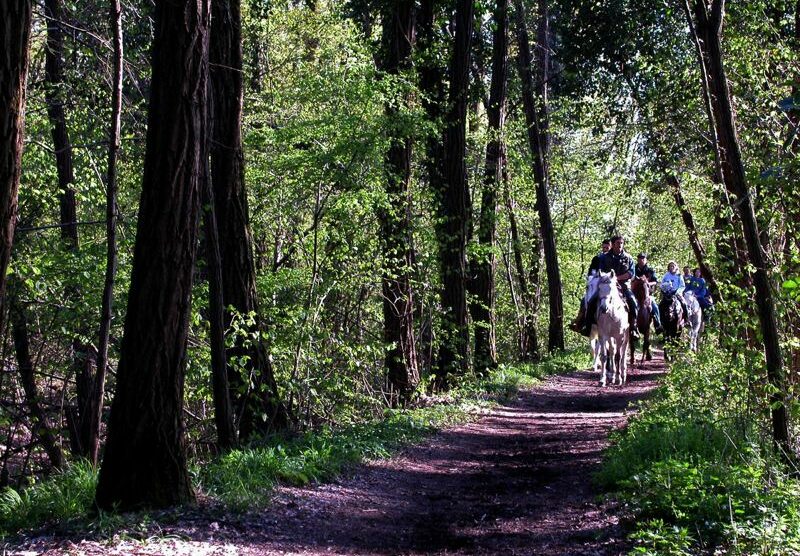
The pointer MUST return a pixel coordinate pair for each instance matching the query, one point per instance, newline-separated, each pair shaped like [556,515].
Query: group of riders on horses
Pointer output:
[614,257]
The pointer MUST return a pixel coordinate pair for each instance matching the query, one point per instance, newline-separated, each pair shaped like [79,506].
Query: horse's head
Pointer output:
[607,290]
[640,289]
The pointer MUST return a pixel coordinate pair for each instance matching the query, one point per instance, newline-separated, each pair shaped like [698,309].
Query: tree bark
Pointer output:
[533,110]
[106,314]
[454,204]
[145,461]
[54,93]
[15,30]
[395,218]
[260,407]
[709,29]
[483,309]
[223,410]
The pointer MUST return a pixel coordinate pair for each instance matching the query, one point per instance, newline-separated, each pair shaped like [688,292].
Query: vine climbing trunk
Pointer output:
[15,32]
[145,461]
[537,143]
[708,22]
[483,307]
[395,218]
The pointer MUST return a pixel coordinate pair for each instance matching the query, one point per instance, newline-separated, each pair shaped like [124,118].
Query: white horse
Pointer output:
[594,338]
[695,323]
[612,327]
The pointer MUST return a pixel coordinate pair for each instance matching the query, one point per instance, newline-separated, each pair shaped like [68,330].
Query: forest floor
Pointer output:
[518,480]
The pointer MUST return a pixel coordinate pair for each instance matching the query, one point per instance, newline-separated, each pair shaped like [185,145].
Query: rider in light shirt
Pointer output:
[673,282]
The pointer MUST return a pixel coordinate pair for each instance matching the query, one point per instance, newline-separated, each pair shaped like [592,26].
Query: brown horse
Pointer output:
[641,290]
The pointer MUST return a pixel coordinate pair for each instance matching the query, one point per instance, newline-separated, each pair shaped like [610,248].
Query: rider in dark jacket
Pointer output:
[579,324]
[622,264]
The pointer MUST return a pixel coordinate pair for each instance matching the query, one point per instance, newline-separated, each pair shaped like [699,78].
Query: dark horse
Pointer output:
[671,319]
[641,290]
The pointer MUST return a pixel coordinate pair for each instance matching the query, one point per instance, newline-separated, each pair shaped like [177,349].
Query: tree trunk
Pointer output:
[454,205]
[40,426]
[260,408]
[395,218]
[83,357]
[694,238]
[483,309]
[223,410]
[709,29]
[145,460]
[15,30]
[729,244]
[106,311]
[54,93]
[532,117]
[529,338]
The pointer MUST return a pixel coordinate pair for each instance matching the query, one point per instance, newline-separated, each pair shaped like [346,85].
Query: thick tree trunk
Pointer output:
[454,204]
[709,29]
[15,30]
[483,309]
[145,460]
[398,304]
[99,383]
[533,110]
[260,408]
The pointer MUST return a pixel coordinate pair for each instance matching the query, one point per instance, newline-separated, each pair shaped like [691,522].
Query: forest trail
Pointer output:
[516,481]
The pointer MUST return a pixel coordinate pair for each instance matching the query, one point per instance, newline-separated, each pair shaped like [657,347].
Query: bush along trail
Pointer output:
[516,478]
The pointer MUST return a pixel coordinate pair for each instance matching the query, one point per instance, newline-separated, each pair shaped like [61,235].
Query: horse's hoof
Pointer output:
[648,357]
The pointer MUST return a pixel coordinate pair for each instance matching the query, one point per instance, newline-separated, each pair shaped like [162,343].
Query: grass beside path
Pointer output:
[246,477]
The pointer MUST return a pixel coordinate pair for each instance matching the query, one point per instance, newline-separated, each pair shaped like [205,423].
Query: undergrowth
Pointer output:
[246,477]
[696,470]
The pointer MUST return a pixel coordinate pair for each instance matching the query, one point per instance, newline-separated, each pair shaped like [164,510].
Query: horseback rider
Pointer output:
[594,267]
[697,284]
[621,263]
[643,269]
[674,286]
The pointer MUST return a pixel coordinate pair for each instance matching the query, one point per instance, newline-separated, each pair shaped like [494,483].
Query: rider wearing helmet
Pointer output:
[643,269]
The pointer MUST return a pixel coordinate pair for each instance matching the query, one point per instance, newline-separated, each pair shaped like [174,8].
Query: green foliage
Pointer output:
[63,496]
[698,472]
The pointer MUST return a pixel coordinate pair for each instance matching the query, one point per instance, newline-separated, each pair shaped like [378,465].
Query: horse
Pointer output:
[612,328]
[695,323]
[594,337]
[641,290]
[671,317]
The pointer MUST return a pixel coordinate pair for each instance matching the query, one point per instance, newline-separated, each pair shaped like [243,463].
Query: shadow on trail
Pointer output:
[517,481]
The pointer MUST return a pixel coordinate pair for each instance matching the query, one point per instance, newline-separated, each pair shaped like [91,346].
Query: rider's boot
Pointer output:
[632,318]
[577,324]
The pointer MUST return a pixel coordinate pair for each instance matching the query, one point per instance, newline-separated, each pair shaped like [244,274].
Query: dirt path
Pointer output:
[517,481]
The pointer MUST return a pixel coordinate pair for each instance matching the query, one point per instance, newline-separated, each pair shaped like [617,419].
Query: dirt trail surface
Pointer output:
[515,481]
